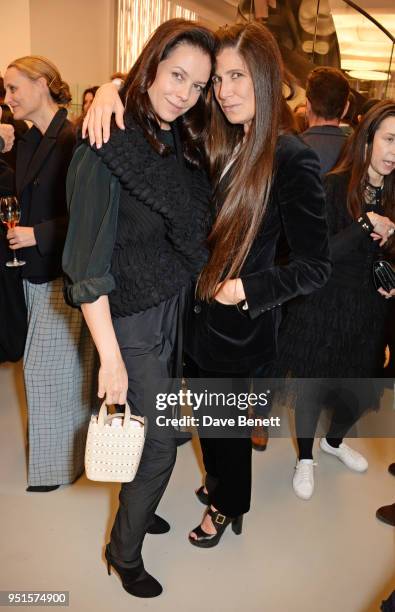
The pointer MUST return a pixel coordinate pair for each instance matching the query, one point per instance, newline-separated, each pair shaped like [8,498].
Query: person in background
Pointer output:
[339,332]
[19,127]
[59,356]
[327,94]
[7,137]
[300,117]
[366,106]
[87,99]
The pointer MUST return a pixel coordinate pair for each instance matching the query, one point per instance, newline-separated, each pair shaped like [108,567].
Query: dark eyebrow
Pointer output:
[241,70]
[185,72]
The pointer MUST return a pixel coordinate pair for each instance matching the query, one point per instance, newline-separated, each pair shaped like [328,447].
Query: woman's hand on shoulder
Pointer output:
[383,227]
[98,118]
[230,292]
[113,380]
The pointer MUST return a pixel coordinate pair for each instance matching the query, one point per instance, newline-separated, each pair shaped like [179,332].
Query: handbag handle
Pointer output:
[127,416]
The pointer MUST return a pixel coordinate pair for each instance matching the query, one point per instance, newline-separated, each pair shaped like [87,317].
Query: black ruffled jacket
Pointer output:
[228,339]
[138,222]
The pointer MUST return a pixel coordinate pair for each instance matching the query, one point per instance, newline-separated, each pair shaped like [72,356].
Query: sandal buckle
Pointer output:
[220,519]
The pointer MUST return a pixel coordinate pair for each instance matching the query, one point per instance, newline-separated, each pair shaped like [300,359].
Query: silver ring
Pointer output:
[390,231]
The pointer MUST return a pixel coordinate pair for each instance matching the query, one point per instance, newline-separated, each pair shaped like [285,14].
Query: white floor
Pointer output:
[328,554]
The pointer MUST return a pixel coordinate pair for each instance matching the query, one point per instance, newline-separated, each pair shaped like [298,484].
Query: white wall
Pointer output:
[78,36]
[14,31]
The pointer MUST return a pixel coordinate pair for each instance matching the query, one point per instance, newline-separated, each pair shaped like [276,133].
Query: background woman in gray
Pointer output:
[58,359]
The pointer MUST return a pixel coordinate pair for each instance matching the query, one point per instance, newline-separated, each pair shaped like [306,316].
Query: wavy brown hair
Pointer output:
[135,96]
[35,67]
[243,205]
[356,158]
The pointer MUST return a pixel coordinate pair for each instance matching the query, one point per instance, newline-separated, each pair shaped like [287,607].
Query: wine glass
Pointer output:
[10,213]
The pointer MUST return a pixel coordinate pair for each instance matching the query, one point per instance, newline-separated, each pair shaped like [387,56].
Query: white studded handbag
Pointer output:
[114,446]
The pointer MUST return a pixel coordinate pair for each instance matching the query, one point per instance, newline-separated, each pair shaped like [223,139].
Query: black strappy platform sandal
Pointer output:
[202,496]
[220,522]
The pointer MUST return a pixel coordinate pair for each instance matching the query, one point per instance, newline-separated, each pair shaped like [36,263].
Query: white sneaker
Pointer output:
[303,480]
[350,457]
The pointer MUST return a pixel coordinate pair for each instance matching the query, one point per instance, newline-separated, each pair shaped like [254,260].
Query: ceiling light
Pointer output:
[368,75]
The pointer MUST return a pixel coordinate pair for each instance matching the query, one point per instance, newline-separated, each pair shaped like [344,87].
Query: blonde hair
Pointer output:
[35,67]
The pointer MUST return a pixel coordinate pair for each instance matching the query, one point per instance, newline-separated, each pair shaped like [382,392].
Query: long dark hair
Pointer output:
[140,78]
[356,158]
[245,202]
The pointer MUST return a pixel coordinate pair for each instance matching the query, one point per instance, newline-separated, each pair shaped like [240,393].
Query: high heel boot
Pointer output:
[136,581]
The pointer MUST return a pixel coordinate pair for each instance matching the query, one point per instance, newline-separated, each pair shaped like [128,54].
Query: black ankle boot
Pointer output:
[158,525]
[136,581]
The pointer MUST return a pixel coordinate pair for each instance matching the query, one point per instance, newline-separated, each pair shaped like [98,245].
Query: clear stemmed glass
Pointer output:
[10,213]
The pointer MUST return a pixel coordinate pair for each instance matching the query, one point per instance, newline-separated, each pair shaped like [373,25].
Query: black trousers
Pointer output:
[147,341]
[314,394]
[227,461]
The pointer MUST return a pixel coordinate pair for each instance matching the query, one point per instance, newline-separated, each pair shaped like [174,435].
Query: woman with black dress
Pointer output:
[138,221]
[339,332]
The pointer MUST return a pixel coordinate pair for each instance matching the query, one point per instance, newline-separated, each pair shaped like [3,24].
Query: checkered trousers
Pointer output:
[60,381]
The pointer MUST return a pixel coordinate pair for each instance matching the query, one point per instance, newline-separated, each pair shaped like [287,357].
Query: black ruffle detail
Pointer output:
[157,182]
[160,245]
[334,333]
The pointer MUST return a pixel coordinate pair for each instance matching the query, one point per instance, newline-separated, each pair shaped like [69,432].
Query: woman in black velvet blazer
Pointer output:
[266,182]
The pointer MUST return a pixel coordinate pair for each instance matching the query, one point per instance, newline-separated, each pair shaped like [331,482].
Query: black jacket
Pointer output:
[7,179]
[328,142]
[41,169]
[228,339]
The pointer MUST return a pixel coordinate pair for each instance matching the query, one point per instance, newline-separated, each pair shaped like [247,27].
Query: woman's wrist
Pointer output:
[110,356]
[366,223]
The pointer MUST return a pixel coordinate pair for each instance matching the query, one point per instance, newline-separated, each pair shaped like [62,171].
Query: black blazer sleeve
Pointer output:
[93,198]
[298,194]
[345,234]
[7,179]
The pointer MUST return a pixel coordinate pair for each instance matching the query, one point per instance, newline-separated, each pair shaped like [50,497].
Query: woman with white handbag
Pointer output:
[138,220]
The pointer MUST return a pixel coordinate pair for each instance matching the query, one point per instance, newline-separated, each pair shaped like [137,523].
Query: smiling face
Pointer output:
[24,95]
[179,81]
[382,161]
[234,88]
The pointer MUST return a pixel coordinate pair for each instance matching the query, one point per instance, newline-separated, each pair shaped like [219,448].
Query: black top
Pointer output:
[228,339]
[138,221]
[327,141]
[339,331]
[40,184]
